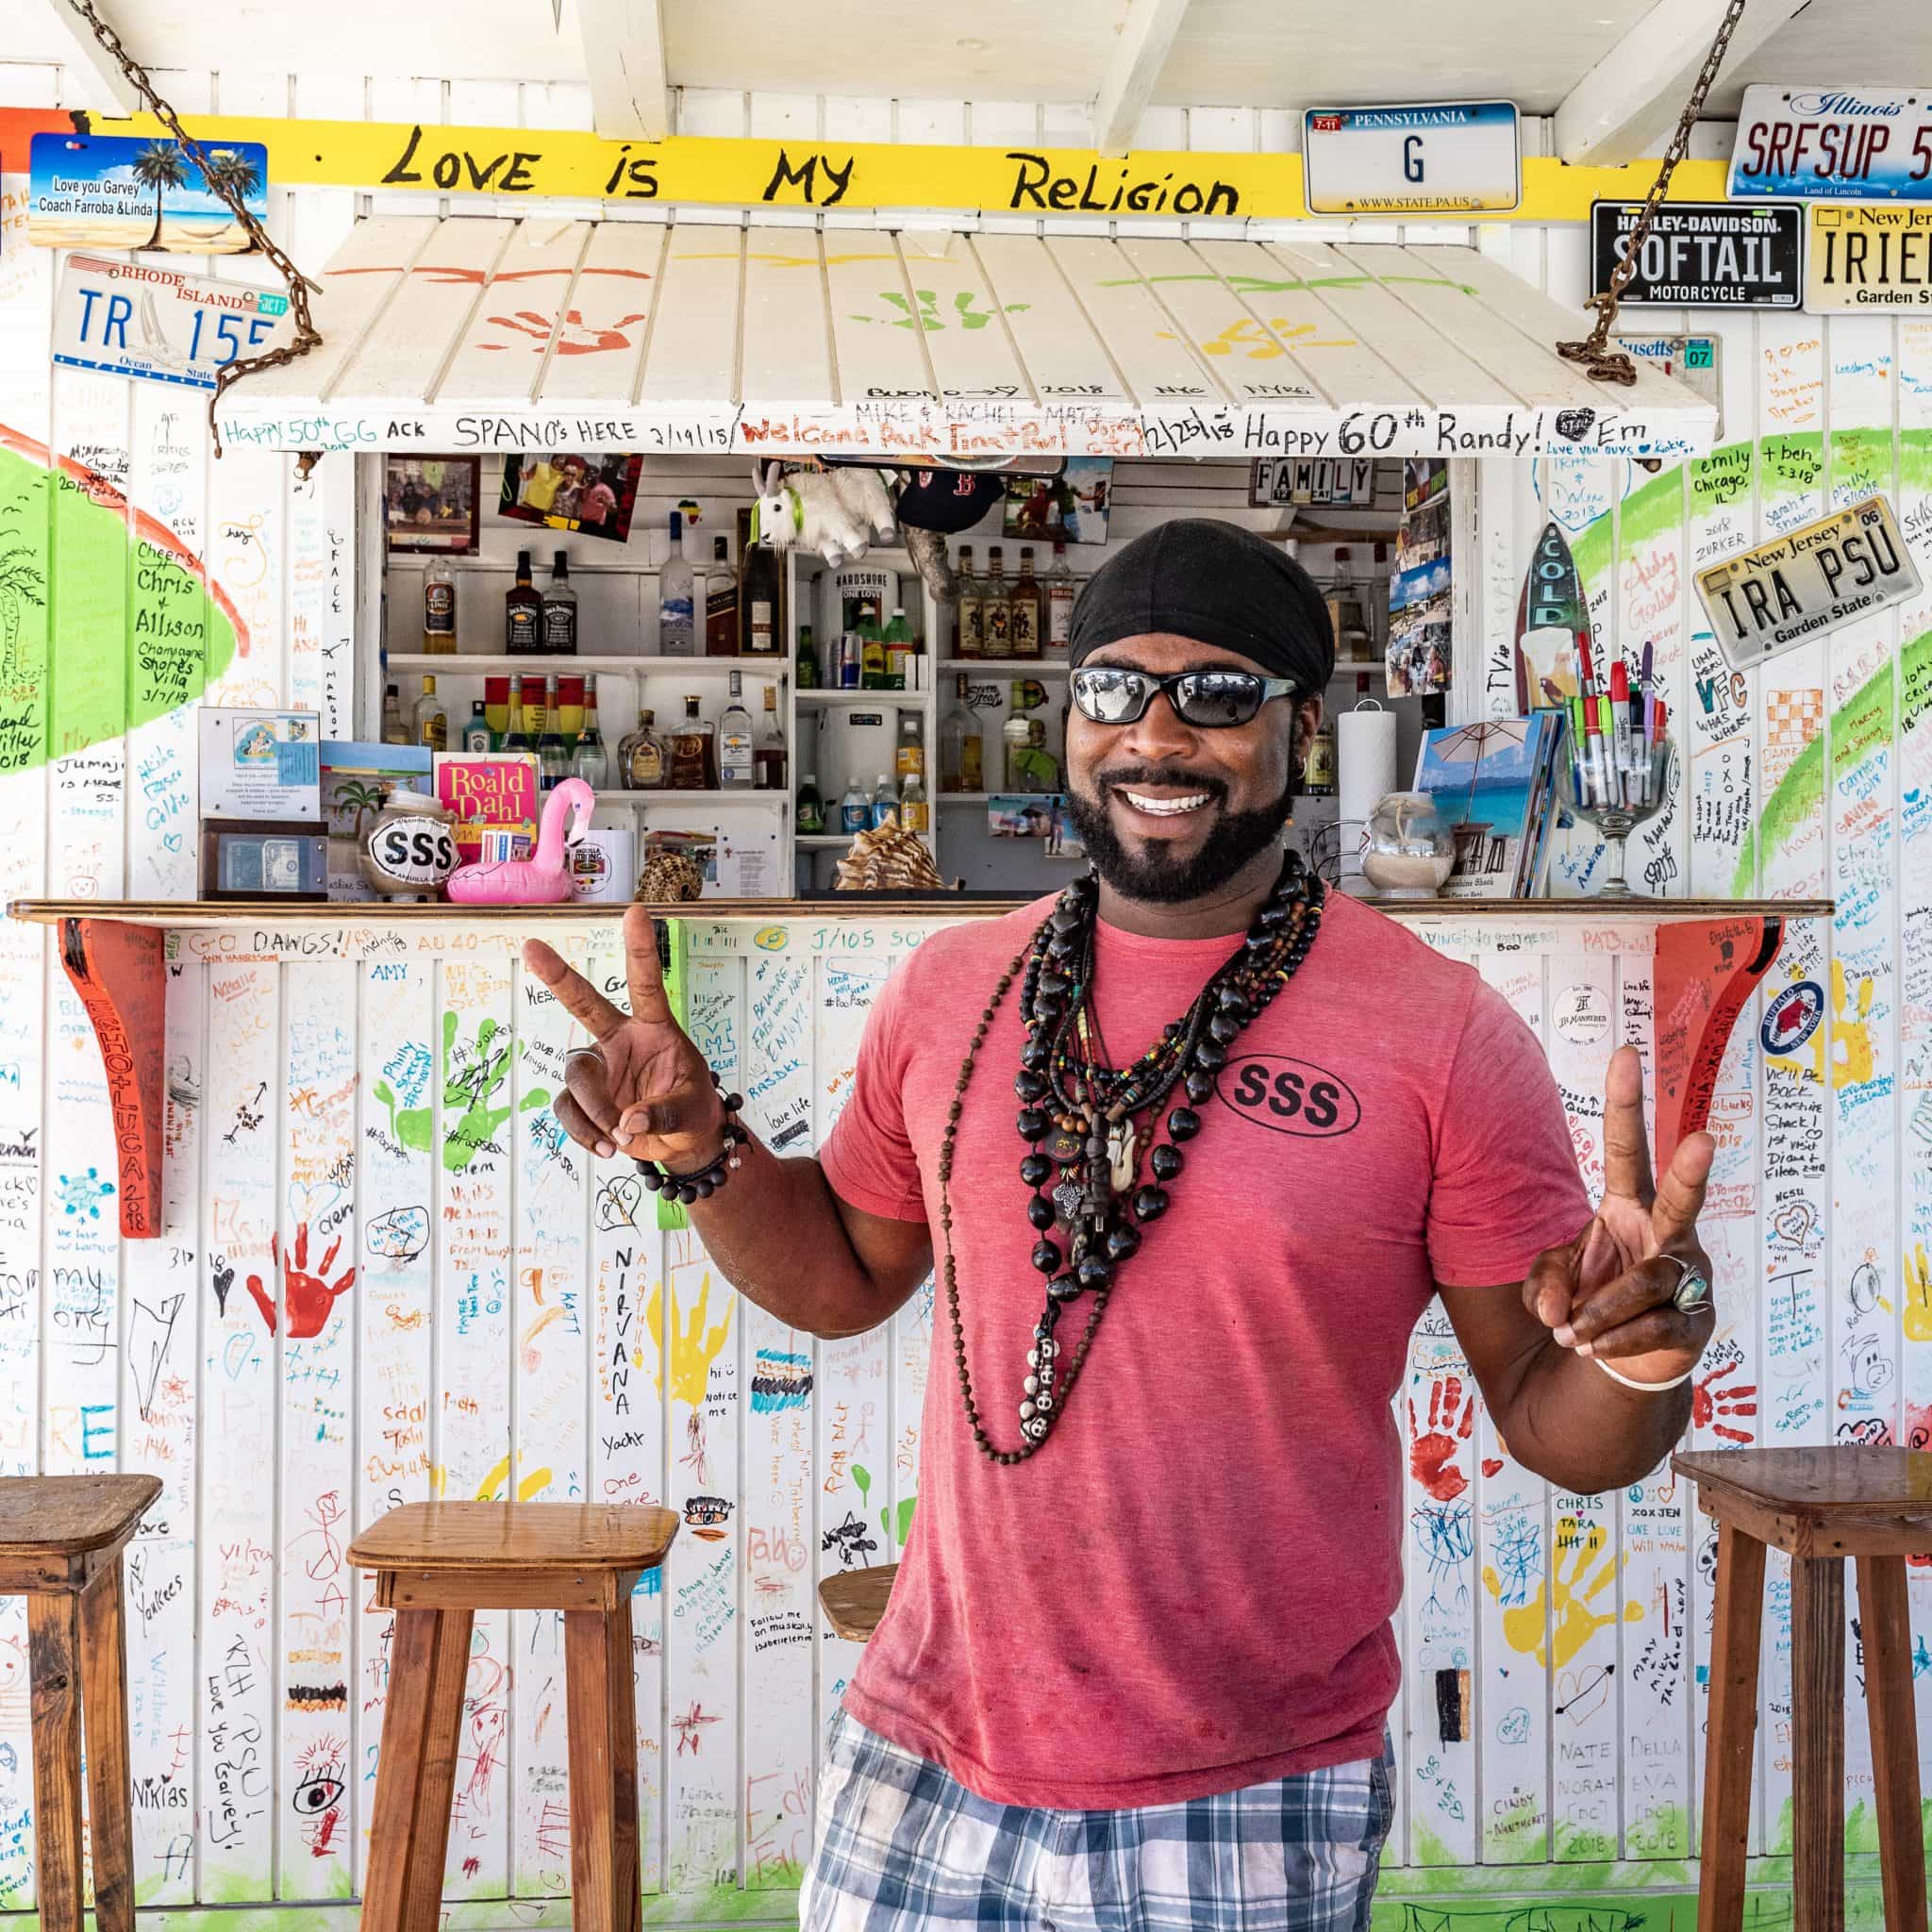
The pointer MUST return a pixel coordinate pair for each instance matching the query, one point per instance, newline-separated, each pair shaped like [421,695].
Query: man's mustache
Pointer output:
[1119,777]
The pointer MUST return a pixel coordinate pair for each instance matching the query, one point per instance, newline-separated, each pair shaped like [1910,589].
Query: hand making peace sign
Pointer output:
[1612,1293]
[642,1089]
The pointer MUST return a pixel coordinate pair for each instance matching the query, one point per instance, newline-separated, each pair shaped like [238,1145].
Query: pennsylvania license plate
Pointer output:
[1806,584]
[128,318]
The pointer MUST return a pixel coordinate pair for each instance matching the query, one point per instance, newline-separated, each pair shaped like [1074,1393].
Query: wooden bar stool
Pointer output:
[855,1600]
[60,1542]
[435,1565]
[1821,1506]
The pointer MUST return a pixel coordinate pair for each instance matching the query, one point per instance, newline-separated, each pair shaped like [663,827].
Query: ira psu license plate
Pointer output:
[1806,583]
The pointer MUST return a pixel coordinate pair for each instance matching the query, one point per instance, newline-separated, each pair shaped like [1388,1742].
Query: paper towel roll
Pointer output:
[1365,752]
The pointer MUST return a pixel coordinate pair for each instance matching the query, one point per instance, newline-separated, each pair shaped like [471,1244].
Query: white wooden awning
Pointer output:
[470,333]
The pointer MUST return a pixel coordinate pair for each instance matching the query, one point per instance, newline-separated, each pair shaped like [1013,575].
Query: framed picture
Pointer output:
[1068,508]
[588,495]
[430,502]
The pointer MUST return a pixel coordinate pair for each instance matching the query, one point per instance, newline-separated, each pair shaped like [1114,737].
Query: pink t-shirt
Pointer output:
[1189,1589]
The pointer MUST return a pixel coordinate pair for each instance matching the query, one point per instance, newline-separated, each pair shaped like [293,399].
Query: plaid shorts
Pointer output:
[902,1845]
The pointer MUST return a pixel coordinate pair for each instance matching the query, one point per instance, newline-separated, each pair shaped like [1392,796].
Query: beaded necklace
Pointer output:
[1077,1116]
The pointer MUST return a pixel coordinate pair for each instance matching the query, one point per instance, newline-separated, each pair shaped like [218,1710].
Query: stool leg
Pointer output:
[1817,1733]
[1884,1622]
[109,1776]
[1737,1621]
[602,1704]
[53,1627]
[408,1830]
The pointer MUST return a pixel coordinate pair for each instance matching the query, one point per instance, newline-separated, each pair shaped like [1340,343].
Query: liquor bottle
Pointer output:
[757,604]
[1062,593]
[768,754]
[588,761]
[393,730]
[721,603]
[553,747]
[737,763]
[909,759]
[962,766]
[898,642]
[477,735]
[871,650]
[885,800]
[692,754]
[523,613]
[559,611]
[676,620]
[640,757]
[996,616]
[569,712]
[1319,778]
[432,718]
[855,810]
[517,735]
[970,640]
[1016,735]
[1024,609]
[1345,609]
[812,807]
[913,814]
[807,659]
[439,610]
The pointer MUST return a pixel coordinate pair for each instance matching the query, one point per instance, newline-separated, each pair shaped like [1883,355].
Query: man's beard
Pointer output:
[1158,876]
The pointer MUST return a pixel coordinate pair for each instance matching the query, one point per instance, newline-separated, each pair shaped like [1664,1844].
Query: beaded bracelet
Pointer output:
[704,1181]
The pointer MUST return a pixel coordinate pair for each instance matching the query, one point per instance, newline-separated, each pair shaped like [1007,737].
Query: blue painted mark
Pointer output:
[779,1381]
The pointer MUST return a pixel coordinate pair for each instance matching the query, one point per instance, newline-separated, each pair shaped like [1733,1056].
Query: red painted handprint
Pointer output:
[1432,1455]
[1710,1405]
[576,337]
[309,1297]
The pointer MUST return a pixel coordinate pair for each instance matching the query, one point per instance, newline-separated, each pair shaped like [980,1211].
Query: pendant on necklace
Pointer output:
[1065,1144]
[1066,1202]
[1125,1155]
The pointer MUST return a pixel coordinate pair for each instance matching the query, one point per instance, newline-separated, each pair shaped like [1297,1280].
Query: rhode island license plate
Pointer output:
[1806,583]
[129,318]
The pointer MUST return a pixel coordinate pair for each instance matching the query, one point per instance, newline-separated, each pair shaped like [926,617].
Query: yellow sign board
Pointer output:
[1869,259]
[812,174]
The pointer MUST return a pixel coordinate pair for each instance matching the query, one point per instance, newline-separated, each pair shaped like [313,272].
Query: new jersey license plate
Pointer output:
[1806,583]
[129,318]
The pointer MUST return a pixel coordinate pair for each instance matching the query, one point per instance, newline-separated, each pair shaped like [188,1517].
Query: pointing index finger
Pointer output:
[642,968]
[1626,1145]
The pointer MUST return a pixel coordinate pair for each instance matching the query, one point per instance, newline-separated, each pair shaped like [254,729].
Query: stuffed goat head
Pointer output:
[836,512]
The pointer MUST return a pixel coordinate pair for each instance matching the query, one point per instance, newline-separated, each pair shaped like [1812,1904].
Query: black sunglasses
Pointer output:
[1207,699]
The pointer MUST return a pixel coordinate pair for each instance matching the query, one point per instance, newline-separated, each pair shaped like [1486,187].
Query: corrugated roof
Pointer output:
[475,333]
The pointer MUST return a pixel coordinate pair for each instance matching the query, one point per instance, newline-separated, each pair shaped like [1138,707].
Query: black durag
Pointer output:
[1198,578]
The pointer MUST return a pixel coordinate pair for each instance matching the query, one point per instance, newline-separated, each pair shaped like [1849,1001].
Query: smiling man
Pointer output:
[1190,1147]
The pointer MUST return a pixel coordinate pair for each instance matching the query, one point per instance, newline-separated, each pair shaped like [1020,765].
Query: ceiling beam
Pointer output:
[1627,105]
[1137,58]
[624,61]
[97,81]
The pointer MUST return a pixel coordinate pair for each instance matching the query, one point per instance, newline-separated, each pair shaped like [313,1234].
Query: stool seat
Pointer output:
[855,1600]
[435,1565]
[60,1543]
[70,1515]
[1821,1506]
[516,1536]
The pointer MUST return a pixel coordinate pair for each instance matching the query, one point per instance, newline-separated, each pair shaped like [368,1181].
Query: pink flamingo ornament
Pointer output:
[541,880]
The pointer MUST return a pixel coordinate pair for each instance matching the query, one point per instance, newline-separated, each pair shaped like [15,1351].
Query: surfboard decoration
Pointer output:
[1550,618]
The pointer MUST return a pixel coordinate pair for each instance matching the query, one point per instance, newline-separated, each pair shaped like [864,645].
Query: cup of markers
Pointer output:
[1620,762]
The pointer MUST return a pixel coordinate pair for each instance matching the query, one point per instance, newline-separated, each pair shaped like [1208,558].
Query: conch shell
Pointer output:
[888,858]
[670,877]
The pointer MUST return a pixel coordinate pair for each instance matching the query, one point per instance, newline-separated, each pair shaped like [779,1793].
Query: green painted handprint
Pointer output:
[471,1077]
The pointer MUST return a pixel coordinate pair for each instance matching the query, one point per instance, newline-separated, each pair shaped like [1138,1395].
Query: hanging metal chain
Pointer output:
[1600,362]
[307,336]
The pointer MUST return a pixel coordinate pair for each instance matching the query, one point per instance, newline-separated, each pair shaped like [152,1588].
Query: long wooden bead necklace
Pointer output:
[1078,1115]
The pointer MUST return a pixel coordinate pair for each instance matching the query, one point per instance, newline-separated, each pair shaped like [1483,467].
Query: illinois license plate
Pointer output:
[128,318]
[1806,583]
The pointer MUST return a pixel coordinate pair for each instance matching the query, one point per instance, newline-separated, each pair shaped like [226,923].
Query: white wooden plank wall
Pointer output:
[516,1324]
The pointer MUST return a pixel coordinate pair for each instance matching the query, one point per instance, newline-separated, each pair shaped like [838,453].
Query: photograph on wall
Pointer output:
[1067,508]
[100,191]
[431,504]
[1418,658]
[588,496]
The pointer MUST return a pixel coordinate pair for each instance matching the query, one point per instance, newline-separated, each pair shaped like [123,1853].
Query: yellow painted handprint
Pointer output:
[1570,1591]
[1919,1294]
[1852,1058]
[694,1347]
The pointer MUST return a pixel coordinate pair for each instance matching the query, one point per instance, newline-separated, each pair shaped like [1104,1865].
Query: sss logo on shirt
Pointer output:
[1289,1096]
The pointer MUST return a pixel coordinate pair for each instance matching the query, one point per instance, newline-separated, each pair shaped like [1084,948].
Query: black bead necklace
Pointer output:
[1079,1116]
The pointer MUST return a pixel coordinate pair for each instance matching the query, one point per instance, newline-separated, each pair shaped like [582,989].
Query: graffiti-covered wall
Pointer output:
[384,1275]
